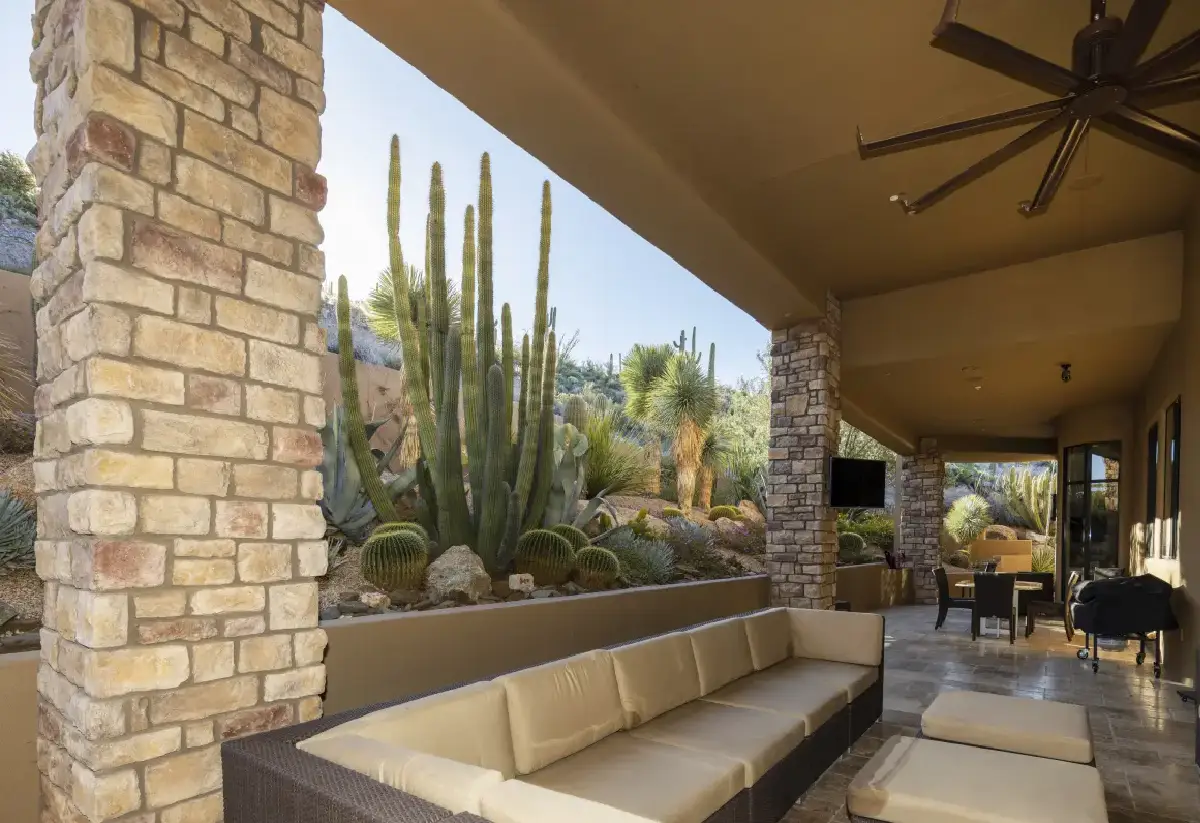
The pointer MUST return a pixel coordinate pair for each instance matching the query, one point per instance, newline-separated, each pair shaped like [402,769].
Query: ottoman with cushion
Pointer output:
[917,780]
[1042,728]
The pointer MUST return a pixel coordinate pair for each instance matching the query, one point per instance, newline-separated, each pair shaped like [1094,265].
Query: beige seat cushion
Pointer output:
[468,724]
[560,708]
[843,637]
[758,739]
[448,783]
[1041,728]
[850,677]
[722,653]
[812,700]
[515,801]
[655,676]
[914,780]
[770,636]
[652,780]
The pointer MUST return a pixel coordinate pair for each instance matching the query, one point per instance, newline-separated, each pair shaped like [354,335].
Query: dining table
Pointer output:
[968,586]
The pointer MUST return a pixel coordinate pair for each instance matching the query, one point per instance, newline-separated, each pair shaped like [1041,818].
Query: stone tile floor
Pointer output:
[1144,734]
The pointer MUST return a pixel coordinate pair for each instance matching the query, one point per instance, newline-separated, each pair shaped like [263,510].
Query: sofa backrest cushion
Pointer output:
[468,724]
[843,637]
[722,653]
[560,708]
[770,636]
[655,676]
[448,783]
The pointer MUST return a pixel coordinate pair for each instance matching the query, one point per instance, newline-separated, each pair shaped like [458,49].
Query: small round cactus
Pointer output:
[399,526]
[574,536]
[395,560]
[596,567]
[546,555]
[670,511]
[851,543]
[732,512]
[605,521]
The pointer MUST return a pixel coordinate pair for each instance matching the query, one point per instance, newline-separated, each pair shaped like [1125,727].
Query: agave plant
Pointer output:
[18,528]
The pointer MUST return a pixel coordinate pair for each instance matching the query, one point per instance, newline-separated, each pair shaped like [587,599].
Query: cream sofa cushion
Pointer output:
[758,739]
[843,637]
[1041,728]
[722,653]
[515,801]
[652,780]
[655,676]
[468,724]
[770,636]
[913,780]
[850,677]
[448,783]
[812,700]
[560,708]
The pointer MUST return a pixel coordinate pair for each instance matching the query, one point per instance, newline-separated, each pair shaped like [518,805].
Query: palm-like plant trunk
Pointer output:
[654,457]
[689,444]
[704,487]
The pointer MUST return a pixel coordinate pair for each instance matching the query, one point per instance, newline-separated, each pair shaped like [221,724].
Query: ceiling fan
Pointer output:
[1107,86]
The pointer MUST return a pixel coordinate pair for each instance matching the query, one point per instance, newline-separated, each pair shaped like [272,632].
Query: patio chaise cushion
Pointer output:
[770,636]
[791,692]
[468,724]
[1042,728]
[655,676]
[560,708]
[843,637]
[666,784]
[913,780]
[758,739]
[851,677]
[722,653]
[449,783]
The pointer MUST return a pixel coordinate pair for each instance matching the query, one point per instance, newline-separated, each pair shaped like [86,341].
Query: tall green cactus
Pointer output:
[474,408]
[523,401]
[544,467]
[454,520]
[537,358]
[506,363]
[487,320]
[493,504]
[576,412]
[435,282]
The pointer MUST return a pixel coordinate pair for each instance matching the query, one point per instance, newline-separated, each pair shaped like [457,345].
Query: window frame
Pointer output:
[1171,534]
[1153,464]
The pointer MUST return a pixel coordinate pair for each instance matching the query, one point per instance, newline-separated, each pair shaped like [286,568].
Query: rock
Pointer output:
[542,594]
[515,596]
[405,597]
[730,529]
[329,613]
[375,600]
[489,599]
[501,589]
[353,607]
[751,512]
[445,604]
[349,596]
[571,587]
[422,606]
[521,583]
[7,613]
[458,575]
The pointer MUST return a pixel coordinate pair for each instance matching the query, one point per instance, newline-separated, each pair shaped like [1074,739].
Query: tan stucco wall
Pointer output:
[872,586]
[1014,555]
[18,737]
[16,323]
[373,659]
[1188,601]
[379,389]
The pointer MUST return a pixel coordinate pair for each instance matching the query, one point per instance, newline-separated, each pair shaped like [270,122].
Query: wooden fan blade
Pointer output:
[990,52]
[1179,89]
[1140,25]
[1165,138]
[1006,152]
[1059,163]
[1177,57]
[962,128]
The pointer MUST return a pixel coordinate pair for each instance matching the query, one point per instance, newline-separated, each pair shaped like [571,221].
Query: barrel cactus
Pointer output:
[670,511]
[395,560]
[596,567]
[546,555]
[401,526]
[850,543]
[574,536]
[732,512]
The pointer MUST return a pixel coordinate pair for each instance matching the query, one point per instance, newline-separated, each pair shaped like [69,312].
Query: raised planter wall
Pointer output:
[18,737]
[373,659]
[872,586]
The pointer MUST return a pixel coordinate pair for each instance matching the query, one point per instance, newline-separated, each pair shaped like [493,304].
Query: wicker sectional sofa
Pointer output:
[727,721]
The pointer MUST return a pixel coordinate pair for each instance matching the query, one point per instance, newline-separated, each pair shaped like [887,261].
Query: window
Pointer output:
[1151,488]
[1091,535]
[1170,541]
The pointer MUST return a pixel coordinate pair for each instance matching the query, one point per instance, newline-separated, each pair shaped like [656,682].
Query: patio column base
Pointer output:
[179,391]
[922,504]
[806,412]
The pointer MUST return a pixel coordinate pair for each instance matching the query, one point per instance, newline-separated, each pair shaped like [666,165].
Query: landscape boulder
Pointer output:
[751,512]
[457,576]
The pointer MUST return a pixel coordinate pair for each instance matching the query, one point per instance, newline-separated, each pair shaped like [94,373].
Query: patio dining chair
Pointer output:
[945,601]
[1049,608]
[994,598]
[1046,593]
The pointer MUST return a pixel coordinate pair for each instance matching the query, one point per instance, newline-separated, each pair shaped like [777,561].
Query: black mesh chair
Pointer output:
[1046,607]
[1043,579]
[945,601]
[994,598]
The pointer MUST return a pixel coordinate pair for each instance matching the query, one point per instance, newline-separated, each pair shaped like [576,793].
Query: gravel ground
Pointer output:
[16,476]
[346,577]
[22,589]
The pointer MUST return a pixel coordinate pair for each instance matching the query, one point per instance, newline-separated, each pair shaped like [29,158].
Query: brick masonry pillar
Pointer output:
[179,386]
[922,504]
[806,411]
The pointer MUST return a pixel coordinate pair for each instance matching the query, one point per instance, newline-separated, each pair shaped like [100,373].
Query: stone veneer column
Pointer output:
[806,411]
[922,504]
[179,387]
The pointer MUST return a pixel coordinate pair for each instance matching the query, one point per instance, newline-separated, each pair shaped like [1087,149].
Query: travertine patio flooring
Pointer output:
[1144,733]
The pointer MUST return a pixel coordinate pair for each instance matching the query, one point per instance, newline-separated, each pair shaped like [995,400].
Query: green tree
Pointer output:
[18,189]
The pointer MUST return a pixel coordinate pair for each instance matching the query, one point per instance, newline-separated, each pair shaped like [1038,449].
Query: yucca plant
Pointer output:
[640,371]
[684,401]
[968,517]
[714,456]
[18,528]
[616,463]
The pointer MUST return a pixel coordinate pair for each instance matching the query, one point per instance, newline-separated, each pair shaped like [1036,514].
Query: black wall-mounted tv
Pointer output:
[857,484]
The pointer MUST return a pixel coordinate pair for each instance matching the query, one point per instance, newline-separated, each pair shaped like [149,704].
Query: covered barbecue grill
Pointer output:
[1124,608]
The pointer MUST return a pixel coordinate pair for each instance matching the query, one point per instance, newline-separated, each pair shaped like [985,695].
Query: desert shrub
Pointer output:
[748,538]
[639,525]
[997,532]
[687,539]
[368,346]
[18,528]
[967,519]
[878,530]
[16,433]
[643,562]
[959,558]
[852,550]
[1043,558]
[614,461]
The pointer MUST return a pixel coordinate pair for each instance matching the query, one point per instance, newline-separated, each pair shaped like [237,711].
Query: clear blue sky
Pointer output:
[606,281]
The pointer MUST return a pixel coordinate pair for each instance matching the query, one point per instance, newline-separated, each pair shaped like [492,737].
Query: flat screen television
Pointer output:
[857,484]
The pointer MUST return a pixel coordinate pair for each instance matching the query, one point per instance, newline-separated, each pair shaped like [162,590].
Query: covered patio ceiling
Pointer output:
[724,133]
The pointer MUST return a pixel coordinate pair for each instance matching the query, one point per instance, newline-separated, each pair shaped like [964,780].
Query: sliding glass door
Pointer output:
[1091,508]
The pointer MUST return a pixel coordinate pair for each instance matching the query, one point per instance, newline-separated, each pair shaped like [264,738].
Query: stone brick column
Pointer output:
[806,411]
[922,504]
[179,387]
